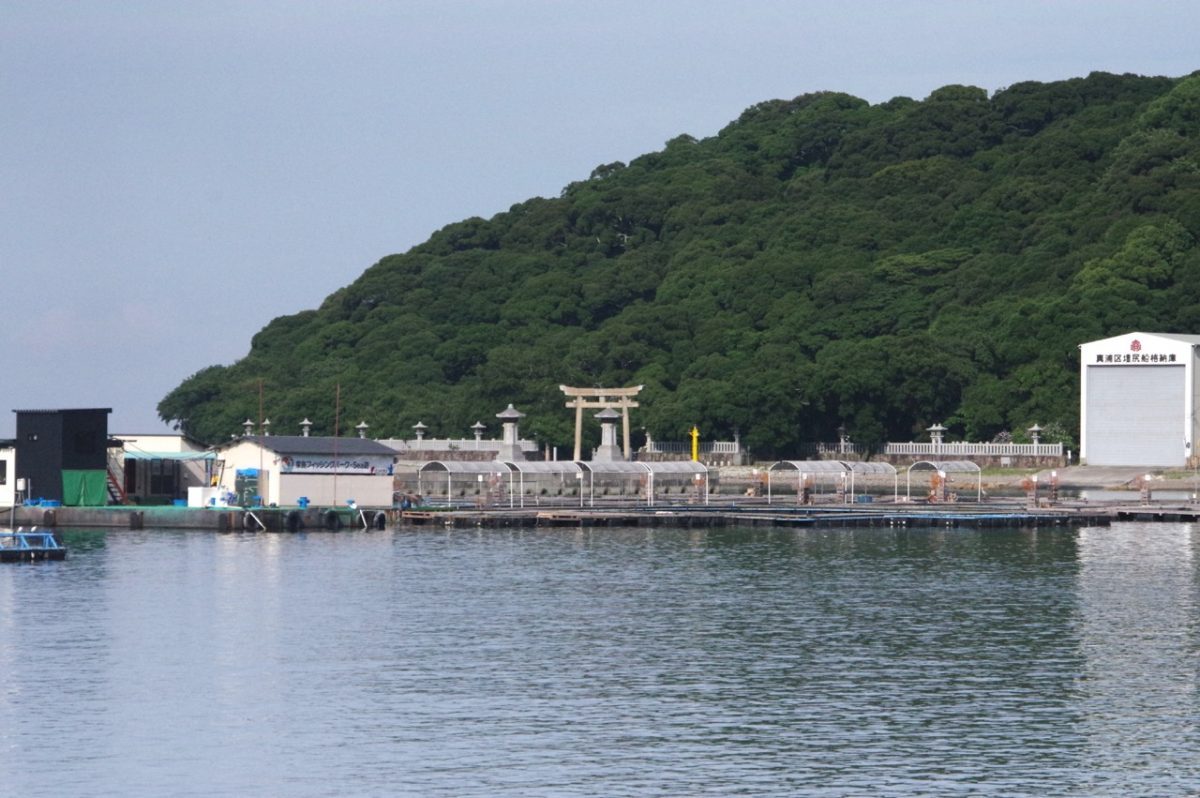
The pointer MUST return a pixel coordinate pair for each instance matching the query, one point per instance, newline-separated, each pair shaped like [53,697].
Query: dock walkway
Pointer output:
[22,546]
[750,513]
[977,516]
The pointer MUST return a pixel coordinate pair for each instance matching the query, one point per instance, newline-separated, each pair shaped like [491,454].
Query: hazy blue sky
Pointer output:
[176,174]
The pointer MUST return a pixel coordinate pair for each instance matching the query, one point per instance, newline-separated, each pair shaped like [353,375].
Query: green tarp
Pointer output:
[84,489]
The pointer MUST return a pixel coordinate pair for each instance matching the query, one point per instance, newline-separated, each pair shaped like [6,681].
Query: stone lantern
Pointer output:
[609,451]
[935,436]
[305,427]
[362,429]
[510,447]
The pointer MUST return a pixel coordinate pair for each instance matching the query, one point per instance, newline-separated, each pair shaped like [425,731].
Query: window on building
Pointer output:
[3,472]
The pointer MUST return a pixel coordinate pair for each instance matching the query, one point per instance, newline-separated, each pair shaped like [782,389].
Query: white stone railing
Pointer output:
[840,448]
[706,447]
[965,449]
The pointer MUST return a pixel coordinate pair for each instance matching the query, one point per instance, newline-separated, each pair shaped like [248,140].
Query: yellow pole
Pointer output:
[695,445]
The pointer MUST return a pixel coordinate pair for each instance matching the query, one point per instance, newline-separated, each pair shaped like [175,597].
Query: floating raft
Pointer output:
[22,546]
[778,517]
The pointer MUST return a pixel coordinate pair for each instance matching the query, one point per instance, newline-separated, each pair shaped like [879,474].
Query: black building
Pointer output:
[63,454]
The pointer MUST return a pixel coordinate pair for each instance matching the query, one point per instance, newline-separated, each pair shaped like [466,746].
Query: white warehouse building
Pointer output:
[280,469]
[1138,400]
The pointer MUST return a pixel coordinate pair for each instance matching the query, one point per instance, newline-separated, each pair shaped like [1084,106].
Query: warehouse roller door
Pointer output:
[1135,415]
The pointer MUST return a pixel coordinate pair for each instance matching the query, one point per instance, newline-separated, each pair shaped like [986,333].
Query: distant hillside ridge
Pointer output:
[819,262]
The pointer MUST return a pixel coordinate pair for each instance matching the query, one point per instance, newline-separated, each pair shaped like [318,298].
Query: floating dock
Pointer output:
[21,546]
[734,515]
[996,514]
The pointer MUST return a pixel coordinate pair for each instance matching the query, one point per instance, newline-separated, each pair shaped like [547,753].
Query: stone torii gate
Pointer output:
[611,398]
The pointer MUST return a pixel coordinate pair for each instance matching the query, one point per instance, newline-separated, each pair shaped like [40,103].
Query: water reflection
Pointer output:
[1137,629]
[605,662]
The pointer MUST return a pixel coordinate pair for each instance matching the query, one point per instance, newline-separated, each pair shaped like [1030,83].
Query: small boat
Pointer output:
[22,546]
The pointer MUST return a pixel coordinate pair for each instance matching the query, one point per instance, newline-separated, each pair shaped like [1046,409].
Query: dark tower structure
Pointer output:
[63,454]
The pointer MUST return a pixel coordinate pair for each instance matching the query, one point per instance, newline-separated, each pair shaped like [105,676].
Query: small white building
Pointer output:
[1138,400]
[328,472]
[159,466]
[8,473]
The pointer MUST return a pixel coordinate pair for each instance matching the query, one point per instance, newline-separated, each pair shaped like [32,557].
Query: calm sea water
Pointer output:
[605,663]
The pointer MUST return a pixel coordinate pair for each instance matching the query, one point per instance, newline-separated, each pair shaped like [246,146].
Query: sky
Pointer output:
[173,176]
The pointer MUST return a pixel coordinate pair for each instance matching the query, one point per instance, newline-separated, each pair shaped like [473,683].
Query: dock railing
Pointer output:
[28,540]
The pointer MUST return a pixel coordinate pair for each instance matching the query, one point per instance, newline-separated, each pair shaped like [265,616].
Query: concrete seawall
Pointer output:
[270,519]
[724,509]
[740,513]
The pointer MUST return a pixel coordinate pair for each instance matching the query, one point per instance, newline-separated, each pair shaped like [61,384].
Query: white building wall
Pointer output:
[164,442]
[8,488]
[1193,423]
[247,454]
[1133,352]
[367,490]
[285,489]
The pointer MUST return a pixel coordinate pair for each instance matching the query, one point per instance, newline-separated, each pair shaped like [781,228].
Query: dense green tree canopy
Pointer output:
[821,261]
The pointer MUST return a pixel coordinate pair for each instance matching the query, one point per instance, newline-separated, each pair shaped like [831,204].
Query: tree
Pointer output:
[820,261]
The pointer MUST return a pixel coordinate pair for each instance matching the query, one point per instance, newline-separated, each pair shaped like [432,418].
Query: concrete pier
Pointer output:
[223,519]
[1009,514]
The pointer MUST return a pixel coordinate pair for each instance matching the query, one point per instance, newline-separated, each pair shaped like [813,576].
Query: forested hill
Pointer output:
[820,261]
